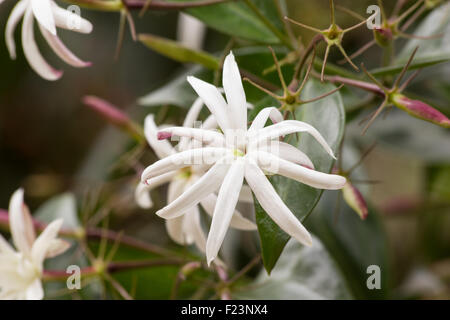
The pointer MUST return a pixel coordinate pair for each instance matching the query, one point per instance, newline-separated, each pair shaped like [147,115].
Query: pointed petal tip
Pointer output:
[210,260]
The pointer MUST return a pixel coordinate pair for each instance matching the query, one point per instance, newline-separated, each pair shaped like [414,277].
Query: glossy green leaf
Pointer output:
[178,52]
[328,116]
[235,19]
[354,244]
[301,273]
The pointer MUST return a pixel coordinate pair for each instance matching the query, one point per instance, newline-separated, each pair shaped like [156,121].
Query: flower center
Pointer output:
[238,153]
[185,173]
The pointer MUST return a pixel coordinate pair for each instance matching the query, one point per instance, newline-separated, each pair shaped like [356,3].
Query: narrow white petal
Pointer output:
[193,229]
[213,100]
[142,192]
[238,221]
[174,226]
[287,127]
[193,113]
[21,224]
[261,118]
[57,247]
[32,53]
[190,121]
[174,229]
[312,178]
[271,202]
[35,291]
[225,206]
[206,137]
[207,184]
[210,122]
[287,152]
[208,155]
[62,51]
[13,20]
[42,10]
[162,148]
[44,242]
[69,20]
[234,91]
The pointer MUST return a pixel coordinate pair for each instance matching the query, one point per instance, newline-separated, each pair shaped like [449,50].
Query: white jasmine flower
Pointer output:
[49,16]
[240,153]
[187,228]
[21,270]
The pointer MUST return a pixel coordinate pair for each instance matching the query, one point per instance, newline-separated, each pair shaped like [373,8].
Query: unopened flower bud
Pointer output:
[114,115]
[383,36]
[355,200]
[421,110]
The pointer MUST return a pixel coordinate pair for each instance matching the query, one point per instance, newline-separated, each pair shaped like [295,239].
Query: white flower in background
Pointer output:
[240,153]
[190,31]
[49,16]
[186,228]
[21,271]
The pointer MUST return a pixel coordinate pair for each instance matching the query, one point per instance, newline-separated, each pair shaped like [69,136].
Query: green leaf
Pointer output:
[64,207]
[235,19]
[178,52]
[420,62]
[328,116]
[431,51]
[353,243]
[436,23]
[176,92]
[301,273]
[413,137]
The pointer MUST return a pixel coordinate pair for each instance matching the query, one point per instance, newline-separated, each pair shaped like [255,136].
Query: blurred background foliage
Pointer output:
[51,144]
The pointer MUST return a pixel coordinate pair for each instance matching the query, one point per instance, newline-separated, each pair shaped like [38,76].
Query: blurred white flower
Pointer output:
[236,153]
[187,228]
[49,16]
[21,271]
[190,31]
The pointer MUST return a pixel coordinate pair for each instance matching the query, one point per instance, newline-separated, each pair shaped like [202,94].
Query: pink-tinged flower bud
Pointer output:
[383,36]
[421,110]
[114,115]
[355,200]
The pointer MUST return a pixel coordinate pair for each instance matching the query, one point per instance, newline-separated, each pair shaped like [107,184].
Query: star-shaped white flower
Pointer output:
[49,16]
[186,228]
[240,153]
[21,271]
